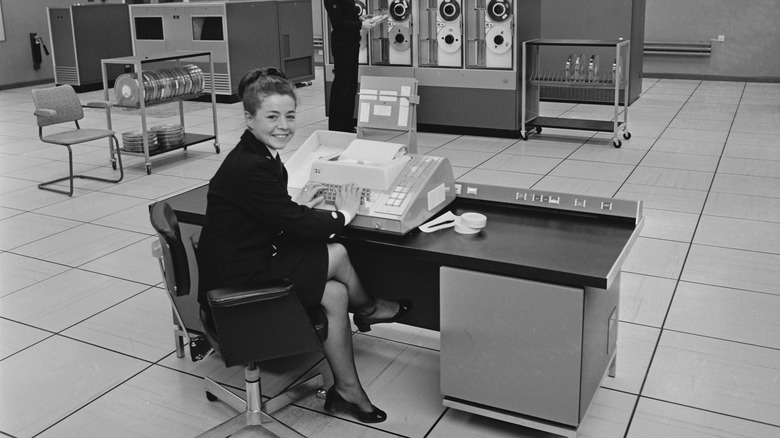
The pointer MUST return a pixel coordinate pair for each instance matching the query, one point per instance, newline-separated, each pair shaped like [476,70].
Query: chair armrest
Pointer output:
[252,293]
[98,104]
[45,113]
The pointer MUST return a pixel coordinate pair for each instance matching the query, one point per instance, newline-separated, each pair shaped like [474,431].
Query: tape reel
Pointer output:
[499,10]
[593,69]
[400,10]
[449,10]
[400,38]
[499,39]
[361,8]
[449,37]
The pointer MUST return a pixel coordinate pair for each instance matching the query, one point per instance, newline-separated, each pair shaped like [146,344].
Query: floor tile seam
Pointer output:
[711,172]
[708,245]
[95,399]
[563,160]
[637,324]
[746,174]
[49,334]
[83,221]
[710,411]
[717,338]
[122,301]
[777,222]
[436,423]
[658,166]
[731,288]
[399,342]
[69,268]
[674,290]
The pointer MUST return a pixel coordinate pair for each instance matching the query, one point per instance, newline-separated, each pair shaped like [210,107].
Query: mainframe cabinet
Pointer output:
[240,36]
[80,39]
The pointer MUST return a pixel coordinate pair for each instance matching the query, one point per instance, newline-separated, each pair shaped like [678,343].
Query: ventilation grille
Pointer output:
[221,83]
[66,75]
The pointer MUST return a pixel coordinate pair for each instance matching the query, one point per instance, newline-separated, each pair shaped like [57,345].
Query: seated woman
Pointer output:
[255,231]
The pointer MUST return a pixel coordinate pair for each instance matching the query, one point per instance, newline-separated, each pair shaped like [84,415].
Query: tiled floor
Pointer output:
[86,344]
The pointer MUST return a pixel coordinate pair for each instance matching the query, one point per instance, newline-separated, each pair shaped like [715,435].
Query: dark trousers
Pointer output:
[341,108]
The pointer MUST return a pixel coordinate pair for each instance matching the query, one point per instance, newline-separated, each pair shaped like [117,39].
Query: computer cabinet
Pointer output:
[465,55]
[240,36]
[80,39]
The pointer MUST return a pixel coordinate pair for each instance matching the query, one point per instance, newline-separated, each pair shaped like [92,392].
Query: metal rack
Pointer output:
[576,74]
[137,63]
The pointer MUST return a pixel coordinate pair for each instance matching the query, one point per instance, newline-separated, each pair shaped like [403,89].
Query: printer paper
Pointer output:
[372,152]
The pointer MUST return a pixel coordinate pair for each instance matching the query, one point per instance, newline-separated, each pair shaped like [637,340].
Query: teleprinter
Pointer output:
[399,191]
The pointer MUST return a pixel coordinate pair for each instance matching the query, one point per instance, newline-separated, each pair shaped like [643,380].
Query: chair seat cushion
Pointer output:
[77,136]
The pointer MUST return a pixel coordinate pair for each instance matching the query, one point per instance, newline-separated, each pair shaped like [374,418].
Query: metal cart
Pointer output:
[137,62]
[576,71]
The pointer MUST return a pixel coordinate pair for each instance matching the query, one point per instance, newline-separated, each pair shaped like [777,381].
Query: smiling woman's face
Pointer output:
[274,122]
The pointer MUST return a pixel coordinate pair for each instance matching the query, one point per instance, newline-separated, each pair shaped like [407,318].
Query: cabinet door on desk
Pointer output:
[511,344]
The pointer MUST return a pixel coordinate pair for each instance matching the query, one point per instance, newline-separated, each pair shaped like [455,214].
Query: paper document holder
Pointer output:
[390,104]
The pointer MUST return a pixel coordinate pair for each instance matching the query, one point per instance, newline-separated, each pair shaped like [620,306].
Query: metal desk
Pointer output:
[527,308]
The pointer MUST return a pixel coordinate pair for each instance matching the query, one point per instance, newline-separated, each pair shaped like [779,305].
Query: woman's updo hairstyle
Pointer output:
[259,83]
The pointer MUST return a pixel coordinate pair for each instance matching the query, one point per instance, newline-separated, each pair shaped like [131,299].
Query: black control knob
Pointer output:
[498,40]
[449,39]
[399,38]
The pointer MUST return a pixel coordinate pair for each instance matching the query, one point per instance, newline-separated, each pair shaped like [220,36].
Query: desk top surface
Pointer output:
[532,243]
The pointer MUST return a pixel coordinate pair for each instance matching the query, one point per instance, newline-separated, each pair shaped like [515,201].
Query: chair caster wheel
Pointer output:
[322,393]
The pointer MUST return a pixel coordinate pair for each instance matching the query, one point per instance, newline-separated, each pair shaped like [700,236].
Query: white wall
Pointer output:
[22,17]
[751,49]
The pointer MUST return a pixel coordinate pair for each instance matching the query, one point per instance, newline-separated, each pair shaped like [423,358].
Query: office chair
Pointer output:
[55,105]
[247,325]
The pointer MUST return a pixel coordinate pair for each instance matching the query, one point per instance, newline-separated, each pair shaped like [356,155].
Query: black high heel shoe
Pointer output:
[334,400]
[364,323]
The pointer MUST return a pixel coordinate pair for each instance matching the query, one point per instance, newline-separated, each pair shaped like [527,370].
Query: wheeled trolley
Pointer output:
[155,87]
[580,65]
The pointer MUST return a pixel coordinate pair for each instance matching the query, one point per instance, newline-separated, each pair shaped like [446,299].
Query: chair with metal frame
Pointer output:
[55,105]
[247,325]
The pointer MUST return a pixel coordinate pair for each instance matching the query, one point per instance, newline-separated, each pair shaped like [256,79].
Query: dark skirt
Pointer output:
[306,266]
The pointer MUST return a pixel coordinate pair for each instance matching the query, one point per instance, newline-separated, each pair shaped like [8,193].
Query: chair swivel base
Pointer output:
[253,412]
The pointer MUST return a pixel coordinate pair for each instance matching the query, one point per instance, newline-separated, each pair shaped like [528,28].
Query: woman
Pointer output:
[255,231]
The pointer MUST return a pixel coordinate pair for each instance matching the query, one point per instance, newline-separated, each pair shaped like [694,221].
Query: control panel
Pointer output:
[554,200]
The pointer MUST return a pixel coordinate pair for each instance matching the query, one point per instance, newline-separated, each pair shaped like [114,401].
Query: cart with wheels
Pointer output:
[153,90]
[577,70]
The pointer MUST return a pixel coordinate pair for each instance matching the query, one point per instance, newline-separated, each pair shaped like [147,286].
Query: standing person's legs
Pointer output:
[341,107]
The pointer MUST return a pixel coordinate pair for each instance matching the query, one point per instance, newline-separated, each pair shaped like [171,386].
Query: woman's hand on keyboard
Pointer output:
[310,195]
[348,198]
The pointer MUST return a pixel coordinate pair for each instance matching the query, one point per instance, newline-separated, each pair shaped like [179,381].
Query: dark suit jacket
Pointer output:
[250,216]
[344,20]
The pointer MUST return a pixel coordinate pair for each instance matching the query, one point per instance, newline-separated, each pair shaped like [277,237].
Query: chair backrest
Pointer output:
[62,99]
[177,269]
